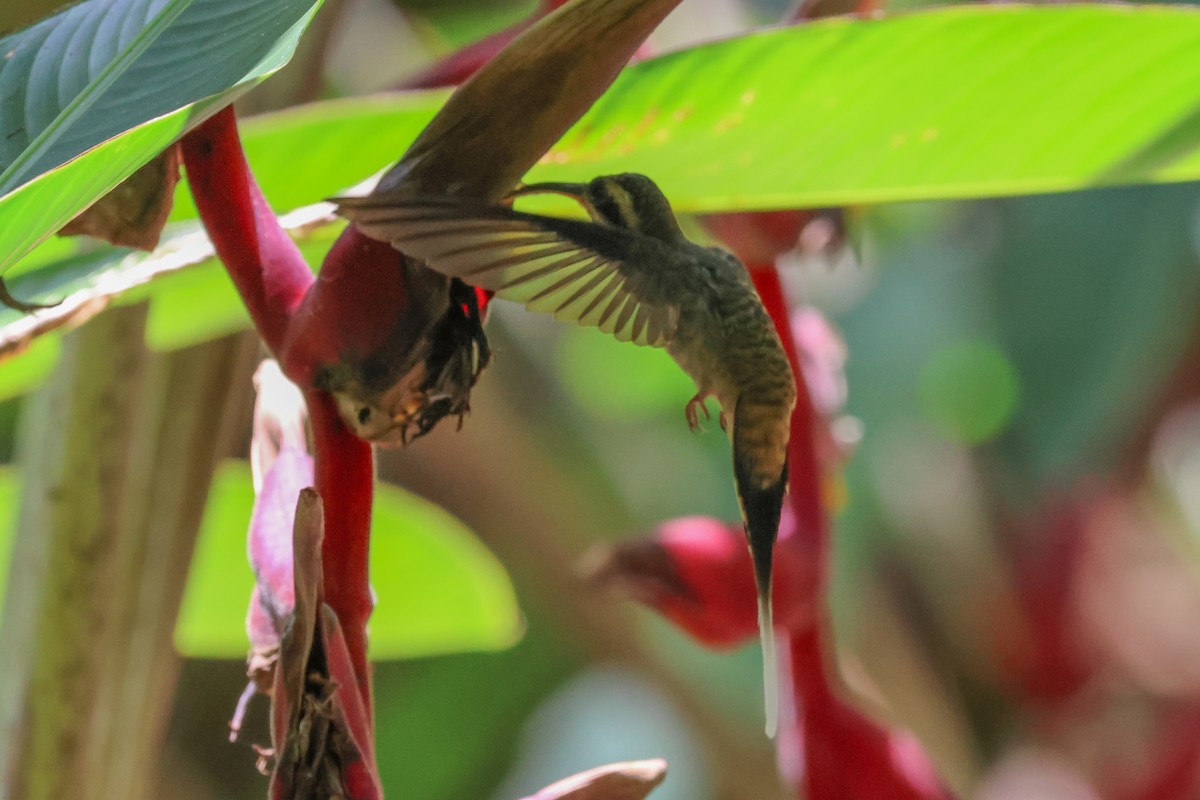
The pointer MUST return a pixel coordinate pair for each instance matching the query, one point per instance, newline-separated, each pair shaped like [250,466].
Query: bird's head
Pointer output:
[630,201]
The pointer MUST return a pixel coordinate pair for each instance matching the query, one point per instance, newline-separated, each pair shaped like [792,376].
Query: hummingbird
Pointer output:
[630,272]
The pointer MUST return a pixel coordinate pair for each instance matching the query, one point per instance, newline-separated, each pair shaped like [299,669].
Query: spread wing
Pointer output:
[573,270]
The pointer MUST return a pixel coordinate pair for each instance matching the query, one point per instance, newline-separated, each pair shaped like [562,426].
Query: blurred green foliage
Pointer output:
[437,589]
[969,389]
[622,384]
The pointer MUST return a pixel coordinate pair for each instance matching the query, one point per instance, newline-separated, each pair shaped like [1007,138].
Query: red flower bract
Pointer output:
[697,572]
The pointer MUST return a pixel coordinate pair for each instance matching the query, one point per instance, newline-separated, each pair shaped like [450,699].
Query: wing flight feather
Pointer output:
[556,266]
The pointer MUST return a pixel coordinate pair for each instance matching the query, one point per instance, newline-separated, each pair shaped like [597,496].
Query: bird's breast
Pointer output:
[703,357]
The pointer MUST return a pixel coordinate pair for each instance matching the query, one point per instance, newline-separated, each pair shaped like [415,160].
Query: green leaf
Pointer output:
[92,93]
[474,706]
[966,101]
[445,592]
[194,304]
[27,370]
[438,590]
[305,154]
[10,503]
[199,303]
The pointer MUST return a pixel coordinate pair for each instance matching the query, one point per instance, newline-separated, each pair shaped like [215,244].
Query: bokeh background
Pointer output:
[1016,545]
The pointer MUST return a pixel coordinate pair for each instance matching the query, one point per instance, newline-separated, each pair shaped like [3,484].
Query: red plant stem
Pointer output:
[804,470]
[1173,772]
[844,753]
[264,263]
[346,475]
[273,278]
[805,493]
[808,659]
[811,692]
[812,701]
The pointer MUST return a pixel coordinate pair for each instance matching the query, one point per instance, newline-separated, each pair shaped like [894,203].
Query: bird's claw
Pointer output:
[692,412]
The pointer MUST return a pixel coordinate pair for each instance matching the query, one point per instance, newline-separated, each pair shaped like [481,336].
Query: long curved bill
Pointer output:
[575,191]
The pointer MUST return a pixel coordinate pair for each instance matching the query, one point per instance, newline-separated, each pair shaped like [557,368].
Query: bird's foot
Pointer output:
[692,412]
[724,420]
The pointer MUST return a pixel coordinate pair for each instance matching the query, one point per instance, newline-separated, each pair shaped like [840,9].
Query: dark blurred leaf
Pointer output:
[473,706]
[1095,296]
[18,15]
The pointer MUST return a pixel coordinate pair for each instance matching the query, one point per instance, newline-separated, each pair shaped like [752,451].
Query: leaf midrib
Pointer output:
[93,91]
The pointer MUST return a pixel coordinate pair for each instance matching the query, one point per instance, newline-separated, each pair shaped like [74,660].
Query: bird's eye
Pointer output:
[364,414]
[607,207]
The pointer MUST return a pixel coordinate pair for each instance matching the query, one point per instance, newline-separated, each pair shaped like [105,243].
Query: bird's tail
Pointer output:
[761,506]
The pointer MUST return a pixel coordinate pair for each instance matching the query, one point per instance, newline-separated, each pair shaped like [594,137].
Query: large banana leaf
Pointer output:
[92,93]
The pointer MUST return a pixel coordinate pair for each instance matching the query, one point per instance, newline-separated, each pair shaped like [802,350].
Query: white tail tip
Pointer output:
[766,630]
